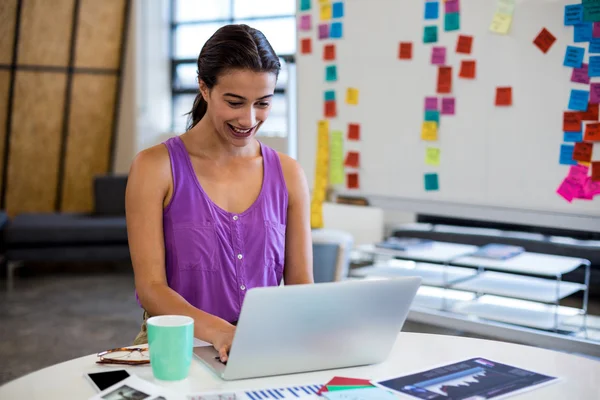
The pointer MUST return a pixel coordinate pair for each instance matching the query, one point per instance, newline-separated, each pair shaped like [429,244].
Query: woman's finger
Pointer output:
[223,353]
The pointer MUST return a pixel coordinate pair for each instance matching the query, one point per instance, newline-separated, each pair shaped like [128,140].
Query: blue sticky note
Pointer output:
[432,10]
[337,10]
[573,136]
[329,95]
[432,115]
[452,21]
[573,14]
[336,30]
[305,5]
[431,182]
[566,155]
[594,66]
[331,73]
[594,47]
[591,12]
[430,34]
[579,100]
[574,56]
[582,32]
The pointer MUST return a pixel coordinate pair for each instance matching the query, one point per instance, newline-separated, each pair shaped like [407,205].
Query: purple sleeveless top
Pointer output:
[213,257]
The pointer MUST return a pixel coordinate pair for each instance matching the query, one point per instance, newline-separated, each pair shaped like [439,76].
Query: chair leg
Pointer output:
[11,266]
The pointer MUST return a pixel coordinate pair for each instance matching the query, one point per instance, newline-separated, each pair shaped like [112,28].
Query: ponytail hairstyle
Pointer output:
[231,47]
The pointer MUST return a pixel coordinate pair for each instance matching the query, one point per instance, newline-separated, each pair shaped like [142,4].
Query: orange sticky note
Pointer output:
[583,151]
[444,81]
[353,132]
[352,159]
[352,180]
[405,51]
[504,96]
[544,40]
[464,44]
[306,46]
[571,121]
[596,171]
[330,109]
[329,52]
[591,114]
[592,132]
[467,69]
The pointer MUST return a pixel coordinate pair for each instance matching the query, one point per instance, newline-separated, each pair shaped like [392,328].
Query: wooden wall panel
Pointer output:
[45,34]
[88,144]
[4,87]
[8,19]
[35,141]
[99,33]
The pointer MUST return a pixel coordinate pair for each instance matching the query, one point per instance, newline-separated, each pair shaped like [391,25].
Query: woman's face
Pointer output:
[239,103]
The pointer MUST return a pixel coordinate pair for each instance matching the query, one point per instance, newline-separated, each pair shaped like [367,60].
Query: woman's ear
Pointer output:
[204,90]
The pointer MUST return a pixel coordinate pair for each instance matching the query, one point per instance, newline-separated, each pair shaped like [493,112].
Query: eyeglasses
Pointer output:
[125,355]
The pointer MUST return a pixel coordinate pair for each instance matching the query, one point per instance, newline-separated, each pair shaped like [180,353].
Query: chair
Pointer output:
[331,254]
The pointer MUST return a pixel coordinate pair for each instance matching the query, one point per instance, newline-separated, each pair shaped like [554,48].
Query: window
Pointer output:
[194,21]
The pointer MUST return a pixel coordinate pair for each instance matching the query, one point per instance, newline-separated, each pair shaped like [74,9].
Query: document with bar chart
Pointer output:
[476,378]
[290,392]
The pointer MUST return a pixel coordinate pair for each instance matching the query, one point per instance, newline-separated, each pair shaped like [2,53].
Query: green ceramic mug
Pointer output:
[171,343]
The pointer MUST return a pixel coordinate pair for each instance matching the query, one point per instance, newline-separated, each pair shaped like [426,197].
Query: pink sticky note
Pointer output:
[323,31]
[578,173]
[305,22]
[569,189]
[452,6]
[596,30]
[431,103]
[595,93]
[580,75]
[591,188]
[448,106]
[438,55]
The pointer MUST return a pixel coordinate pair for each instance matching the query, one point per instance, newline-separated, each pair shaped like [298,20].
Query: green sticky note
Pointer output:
[334,388]
[591,12]
[431,182]
[336,158]
[430,34]
[329,95]
[304,5]
[432,116]
[432,156]
[452,21]
[331,73]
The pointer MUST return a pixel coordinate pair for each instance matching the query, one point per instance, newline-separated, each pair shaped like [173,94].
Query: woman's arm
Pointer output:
[148,186]
[298,240]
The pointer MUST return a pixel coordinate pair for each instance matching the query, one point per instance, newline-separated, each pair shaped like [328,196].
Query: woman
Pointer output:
[213,212]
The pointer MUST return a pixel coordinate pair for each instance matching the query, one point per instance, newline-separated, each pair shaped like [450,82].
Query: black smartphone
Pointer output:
[104,380]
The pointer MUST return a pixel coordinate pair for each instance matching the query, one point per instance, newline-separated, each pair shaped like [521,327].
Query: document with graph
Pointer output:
[476,378]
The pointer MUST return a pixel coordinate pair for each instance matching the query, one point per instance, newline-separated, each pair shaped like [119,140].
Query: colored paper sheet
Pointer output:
[323,31]
[504,96]
[306,46]
[339,388]
[591,114]
[568,189]
[468,69]
[353,132]
[316,215]
[452,21]
[430,34]
[341,381]
[544,40]
[438,55]
[580,75]
[594,66]
[305,23]
[448,105]
[338,9]
[591,12]
[578,100]
[572,137]
[464,44]
[444,80]
[432,156]
[329,95]
[595,171]
[566,154]
[429,131]
[336,30]
[352,159]
[431,182]
[574,56]
[596,30]
[336,158]
[431,103]
[405,51]
[582,32]
[571,122]
[578,173]
[595,93]
[330,110]
[452,6]
[432,116]
[591,188]
[573,14]
[331,73]
[326,11]
[592,132]
[583,151]
[432,10]
[506,7]
[352,181]
[352,96]
[329,52]
[365,393]
[305,5]
[501,23]
[594,47]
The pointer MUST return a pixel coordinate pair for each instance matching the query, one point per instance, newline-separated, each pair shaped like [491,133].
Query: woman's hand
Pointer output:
[222,339]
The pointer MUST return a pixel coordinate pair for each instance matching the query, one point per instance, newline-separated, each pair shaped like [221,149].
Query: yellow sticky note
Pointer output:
[584,163]
[323,126]
[324,1]
[432,156]
[316,215]
[352,96]
[429,131]
[501,23]
[326,11]
[336,158]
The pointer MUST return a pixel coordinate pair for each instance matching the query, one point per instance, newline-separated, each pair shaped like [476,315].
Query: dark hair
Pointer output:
[231,47]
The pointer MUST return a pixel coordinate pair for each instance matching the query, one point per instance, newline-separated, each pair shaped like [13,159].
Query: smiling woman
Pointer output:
[213,212]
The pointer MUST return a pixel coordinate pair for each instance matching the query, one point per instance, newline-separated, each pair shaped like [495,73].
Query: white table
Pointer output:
[411,353]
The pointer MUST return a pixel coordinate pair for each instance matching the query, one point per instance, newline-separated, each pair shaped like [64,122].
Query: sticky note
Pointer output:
[582,32]
[438,55]
[574,56]
[338,9]
[331,73]
[451,6]
[591,188]
[571,122]
[572,137]
[506,7]
[432,116]
[330,110]
[305,5]
[336,158]
[594,47]
[352,96]
[405,51]
[591,114]
[316,215]
[501,23]
[432,156]
[430,34]
[568,189]
[595,171]
[504,96]
[544,40]
[353,132]
[595,93]
[451,21]
[578,173]
[444,80]
[305,23]
[352,180]
[352,159]
[329,52]
[592,132]
[566,154]
[431,182]
[336,30]
[591,12]
[448,104]
[323,31]
[306,46]
[573,14]
[596,30]
[580,75]
[329,95]
[432,10]
[326,12]
[578,100]
[594,66]
[583,151]
[429,131]
[431,103]
[464,43]
[323,127]
[467,69]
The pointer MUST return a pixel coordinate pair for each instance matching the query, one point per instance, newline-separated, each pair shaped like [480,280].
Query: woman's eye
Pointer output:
[234,104]
[263,104]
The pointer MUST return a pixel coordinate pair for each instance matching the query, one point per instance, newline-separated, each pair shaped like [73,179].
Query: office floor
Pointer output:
[57,313]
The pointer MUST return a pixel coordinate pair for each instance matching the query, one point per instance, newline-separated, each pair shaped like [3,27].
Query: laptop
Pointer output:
[300,328]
